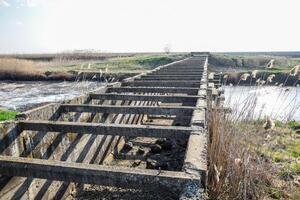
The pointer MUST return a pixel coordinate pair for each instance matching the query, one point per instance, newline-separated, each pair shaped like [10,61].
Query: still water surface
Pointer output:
[281,103]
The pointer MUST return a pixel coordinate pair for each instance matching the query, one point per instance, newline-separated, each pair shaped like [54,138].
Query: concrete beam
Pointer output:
[106,129]
[181,69]
[175,73]
[90,173]
[196,153]
[179,76]
[179,90]
[163,83]
[186,78]
[139,97]
[149,110]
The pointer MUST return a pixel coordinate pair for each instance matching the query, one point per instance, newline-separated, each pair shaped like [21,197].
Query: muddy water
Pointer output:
[281,103]
[22,95]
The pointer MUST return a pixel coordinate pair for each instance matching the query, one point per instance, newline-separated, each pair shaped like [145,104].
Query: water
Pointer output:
[280,103]
[21,95]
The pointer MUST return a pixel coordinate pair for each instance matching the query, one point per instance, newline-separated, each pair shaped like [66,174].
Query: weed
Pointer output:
[7,115]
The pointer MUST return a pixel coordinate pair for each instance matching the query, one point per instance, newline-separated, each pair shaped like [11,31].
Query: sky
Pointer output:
[40,26]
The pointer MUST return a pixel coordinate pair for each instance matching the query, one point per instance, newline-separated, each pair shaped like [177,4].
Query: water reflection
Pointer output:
[281,103]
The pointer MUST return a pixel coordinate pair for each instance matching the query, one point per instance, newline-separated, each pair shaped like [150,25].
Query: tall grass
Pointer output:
[236,171]
[241,165]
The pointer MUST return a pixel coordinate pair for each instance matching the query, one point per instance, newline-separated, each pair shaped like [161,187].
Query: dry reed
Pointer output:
[235,171]
[10,67]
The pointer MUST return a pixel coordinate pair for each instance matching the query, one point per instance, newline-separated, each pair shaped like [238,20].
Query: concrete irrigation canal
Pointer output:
[148,132]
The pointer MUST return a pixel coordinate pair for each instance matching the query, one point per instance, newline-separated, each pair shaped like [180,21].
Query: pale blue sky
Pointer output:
[148,25]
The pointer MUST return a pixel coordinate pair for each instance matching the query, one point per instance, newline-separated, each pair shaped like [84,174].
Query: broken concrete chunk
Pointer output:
[166,144]
[140,151]
[128,146]
[155,148]
[156,164]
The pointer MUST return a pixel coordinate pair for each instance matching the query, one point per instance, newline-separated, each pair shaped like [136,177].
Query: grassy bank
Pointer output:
[251,158]
[225,62]
[62,67]
[261,78]
[130,64]
[246,161]
[7,115]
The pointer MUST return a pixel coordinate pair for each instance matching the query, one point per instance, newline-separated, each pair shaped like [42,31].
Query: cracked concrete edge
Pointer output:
[195,163]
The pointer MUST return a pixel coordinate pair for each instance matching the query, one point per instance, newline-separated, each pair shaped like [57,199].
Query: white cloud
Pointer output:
[4,3]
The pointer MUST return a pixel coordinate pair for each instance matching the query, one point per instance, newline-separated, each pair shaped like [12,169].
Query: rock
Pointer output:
[128,146]
[156,164]
[158,161]
[155,148]
[140,151]
[166,144]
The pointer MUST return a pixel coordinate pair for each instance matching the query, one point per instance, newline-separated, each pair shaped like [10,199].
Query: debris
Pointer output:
[155,148]
[140,151]
[128,146]
[166,144]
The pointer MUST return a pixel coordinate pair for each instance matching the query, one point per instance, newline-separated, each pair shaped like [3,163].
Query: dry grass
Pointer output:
[248,162]
[10,67]
[236,171]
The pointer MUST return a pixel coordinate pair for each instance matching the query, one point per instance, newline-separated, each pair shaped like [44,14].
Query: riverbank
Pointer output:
[66,76]
[253,69]
[248,161]
[261,78]
[73,67]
